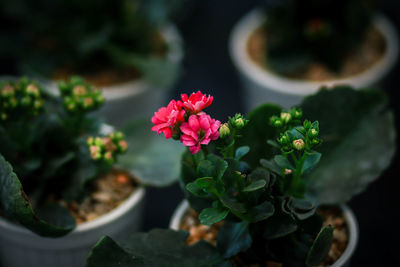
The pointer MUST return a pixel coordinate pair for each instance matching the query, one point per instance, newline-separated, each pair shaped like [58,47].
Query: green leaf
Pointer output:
[261,212]
[233,238]
[233,204]
[257,132]
[159,247]
[241,152]
[279,225]
[206,169]
[147,152]
[273,144]
[256,185]
[358,142]
[321,246]
[312,159]
[107,252]
[205,182]
[219,164]
[283,162]
[210,216]
[271,166]
[195,190]
[15,204]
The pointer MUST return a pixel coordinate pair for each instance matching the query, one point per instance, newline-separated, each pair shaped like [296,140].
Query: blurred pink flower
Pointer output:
[196,102]
[167,118]
[199,130]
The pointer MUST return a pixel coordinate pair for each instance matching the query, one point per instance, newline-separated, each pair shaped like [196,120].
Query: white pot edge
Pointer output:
[136,87]
[348,213]
[84,228]
[262,77]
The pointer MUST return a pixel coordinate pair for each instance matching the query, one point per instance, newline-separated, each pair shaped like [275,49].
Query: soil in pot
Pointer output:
[106,194]
[331,216]
[107,75]
[371,51]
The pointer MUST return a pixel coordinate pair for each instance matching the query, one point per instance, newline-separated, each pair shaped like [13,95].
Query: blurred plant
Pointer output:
[265,191]
[50,148]
[49,37]
[325,31]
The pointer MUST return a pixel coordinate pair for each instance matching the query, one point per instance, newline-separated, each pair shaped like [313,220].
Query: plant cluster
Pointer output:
[51,149]
[264,178]
[324,31]
[85,37]
[263,207]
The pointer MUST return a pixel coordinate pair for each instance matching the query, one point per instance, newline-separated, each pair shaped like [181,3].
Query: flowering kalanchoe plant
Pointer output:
[264,177]
[51,149]
[262,203]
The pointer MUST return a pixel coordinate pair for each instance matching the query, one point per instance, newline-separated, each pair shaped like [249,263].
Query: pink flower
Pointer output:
[196,102]
[199,130]
[167,118]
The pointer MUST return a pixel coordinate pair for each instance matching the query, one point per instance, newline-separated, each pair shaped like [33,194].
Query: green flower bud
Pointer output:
[7,91]
[122,145]
[315,142]
[278,123]
[63,87]
[284,140]
[108,157]
[98,141]
[313,133]
[13,102]
[79,90]
[3,116]
[118,136]
[26,101]
[239,123]
[224,130]
[32,90]
[38,104]
[90,141]
[298,144]
[286,117]
[296,113]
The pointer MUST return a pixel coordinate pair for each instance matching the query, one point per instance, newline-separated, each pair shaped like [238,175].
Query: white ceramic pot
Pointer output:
[343,261]
[261,85]
[137,98]
[20,247]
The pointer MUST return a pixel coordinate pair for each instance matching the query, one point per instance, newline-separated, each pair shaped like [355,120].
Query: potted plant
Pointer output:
[127,48]
[289,49]
[260,180]
[61,187]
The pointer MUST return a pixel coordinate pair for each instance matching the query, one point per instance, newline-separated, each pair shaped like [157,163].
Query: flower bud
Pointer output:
[119,135]
[284,140]
[90,141]
[87,102]
[278,123]
[224,130]
[296,113]
[298,144]
[286,117]
[32,90]
[38,104]
[123,145]
[26,101]
[288,171]
[13,102]
[315,141]
[3,116]
[313,133]
[8,90]
[239,123]
[79,90]
[108,157]
[95,152]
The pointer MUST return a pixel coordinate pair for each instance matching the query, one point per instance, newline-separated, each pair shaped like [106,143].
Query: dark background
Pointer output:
[207,67]
[205,26]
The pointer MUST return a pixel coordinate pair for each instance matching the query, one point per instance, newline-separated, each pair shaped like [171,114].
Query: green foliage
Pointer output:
[324,31]
[320,247]
[87,37]
[50,152]
[359,142]
[156,248]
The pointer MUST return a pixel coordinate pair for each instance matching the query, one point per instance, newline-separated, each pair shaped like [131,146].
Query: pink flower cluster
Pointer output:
[185,119]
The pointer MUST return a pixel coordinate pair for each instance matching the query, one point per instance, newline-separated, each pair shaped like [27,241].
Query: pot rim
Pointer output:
[347,212]
[264,78]
[136,196]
